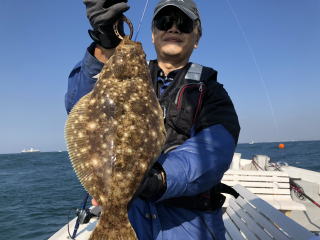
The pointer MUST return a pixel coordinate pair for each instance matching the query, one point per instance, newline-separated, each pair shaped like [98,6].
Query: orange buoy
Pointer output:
[281,146]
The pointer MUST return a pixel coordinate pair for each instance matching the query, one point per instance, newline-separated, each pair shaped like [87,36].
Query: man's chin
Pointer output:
[171,51]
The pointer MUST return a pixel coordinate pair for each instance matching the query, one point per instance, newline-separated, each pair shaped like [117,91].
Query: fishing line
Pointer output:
[141,19]
[256,65]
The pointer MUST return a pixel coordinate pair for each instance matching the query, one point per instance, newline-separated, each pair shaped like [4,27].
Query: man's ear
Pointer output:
[152,38]
[196,44]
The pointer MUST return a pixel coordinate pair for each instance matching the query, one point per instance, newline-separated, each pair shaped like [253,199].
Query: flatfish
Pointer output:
[113,135]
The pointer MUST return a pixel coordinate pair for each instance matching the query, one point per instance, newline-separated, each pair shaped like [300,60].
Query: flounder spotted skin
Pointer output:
[113,134]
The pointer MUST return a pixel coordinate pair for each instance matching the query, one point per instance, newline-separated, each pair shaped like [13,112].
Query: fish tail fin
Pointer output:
[110,228]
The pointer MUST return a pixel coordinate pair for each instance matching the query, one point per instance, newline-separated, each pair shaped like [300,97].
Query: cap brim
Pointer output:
[183,9]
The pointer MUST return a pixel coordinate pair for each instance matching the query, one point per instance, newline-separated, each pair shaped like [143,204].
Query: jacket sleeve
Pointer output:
[200,162]
[81,79]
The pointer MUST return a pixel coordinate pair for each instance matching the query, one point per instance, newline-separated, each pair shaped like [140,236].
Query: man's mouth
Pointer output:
[172,39]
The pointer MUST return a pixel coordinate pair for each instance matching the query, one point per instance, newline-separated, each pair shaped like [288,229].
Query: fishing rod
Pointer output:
[299,190]
[81,216]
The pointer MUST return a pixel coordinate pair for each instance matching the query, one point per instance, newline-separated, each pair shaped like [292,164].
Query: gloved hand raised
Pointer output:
[102,14]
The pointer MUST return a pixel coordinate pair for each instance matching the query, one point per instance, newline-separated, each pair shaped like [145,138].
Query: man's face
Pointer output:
[173,42]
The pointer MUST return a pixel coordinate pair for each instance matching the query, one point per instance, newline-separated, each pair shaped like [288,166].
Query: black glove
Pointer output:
[102,14]
[154,184]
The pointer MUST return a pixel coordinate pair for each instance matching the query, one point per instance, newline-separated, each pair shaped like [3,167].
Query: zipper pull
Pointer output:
[201,87]
[164,112]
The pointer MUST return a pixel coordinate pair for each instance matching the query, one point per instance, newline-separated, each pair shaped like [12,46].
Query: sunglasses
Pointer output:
[165,21]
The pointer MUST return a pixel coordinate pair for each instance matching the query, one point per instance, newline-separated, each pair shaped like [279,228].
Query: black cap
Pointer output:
[187,6]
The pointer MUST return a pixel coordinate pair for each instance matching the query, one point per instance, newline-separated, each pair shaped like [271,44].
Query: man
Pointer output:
[178,199]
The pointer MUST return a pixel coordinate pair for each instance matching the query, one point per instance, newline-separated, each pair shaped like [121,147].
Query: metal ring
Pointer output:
[116,25]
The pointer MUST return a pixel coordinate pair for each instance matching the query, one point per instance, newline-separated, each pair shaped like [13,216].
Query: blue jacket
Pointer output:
[190,170]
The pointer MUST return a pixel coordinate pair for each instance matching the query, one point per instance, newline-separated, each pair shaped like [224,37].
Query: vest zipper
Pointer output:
[199,104]
[178,99]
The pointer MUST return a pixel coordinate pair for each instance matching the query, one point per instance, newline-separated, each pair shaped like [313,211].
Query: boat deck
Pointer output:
[308,180]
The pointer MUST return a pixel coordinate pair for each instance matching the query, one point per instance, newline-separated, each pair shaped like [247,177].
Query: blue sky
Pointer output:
[267,54]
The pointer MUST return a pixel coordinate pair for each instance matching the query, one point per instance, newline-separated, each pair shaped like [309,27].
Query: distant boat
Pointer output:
[252,142]
[30,150]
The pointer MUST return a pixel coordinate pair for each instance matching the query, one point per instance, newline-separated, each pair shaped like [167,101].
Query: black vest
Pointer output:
[182,100]
[181,104]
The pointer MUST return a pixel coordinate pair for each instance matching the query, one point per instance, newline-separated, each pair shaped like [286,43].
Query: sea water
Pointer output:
[40,191]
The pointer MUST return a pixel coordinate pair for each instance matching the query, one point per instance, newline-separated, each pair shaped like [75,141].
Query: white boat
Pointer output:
[276,201]
[291,190]
[30,150]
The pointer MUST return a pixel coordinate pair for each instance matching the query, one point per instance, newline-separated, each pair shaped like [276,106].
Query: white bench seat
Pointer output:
[271,186]
[251,218]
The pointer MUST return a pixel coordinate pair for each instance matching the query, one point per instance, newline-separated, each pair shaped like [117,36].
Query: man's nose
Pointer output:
[174,29]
